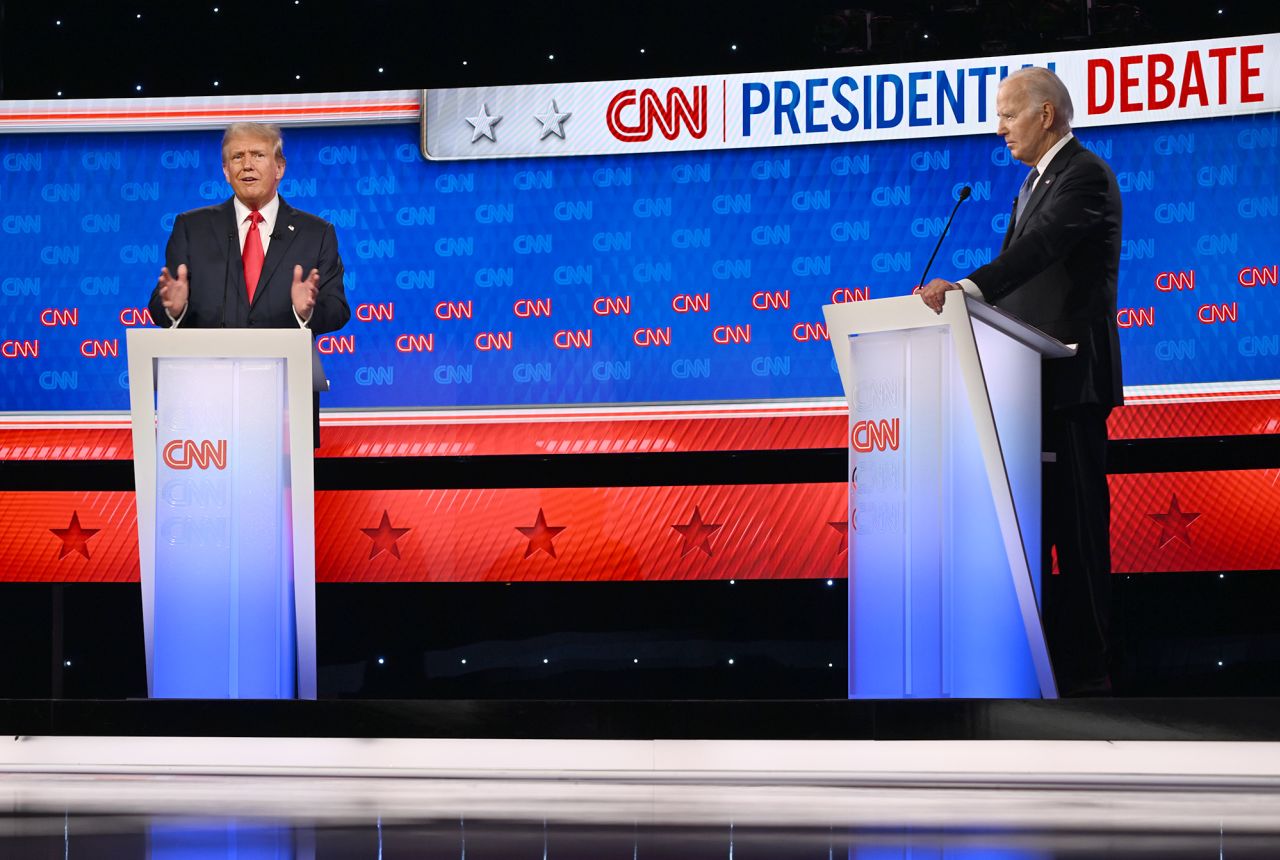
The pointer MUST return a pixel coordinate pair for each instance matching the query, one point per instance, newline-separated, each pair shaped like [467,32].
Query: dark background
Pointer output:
[111,48]
[1207,633]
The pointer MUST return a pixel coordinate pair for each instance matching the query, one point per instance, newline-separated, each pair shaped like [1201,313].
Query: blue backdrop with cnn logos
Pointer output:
[624,279]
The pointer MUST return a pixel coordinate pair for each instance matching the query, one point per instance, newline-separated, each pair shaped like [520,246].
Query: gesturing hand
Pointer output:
[174,291]
[304,292]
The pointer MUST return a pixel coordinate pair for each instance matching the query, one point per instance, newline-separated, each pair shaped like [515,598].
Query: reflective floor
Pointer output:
[248,818]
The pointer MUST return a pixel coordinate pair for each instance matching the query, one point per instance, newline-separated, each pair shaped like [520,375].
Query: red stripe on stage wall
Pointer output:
[586,437]
[1181,521]
[453,438]
[596,534]
[66,444]
[68,537]
[1218,418]
[615,432]
[1162,522]
[584,534]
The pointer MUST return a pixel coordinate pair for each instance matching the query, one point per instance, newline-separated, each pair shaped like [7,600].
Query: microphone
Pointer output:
[964,195]
[226,280]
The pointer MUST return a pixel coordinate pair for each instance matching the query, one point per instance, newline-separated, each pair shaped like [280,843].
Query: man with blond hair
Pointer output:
[252,261]
[1058,270]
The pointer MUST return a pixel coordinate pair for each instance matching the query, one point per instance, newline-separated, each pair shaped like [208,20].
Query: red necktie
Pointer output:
[252,254]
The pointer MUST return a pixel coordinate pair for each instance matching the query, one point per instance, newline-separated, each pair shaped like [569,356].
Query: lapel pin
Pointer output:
[291,227]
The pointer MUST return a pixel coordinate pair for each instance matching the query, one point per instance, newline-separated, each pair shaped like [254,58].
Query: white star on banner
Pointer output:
[482,125]
[552,121]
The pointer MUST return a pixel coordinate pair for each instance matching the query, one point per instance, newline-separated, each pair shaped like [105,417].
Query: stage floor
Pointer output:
[559,816]
[505,780]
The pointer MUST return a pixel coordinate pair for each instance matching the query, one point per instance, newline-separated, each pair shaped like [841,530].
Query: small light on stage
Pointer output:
[831,665]
[59,93]
[831,582]
[1222,576]
[635,659]
[733,47]
[215,83]
[730,661]
[58,23]
[464,62]
[464,661]
[926,35]
[551,56]
[138,88]
[733,582]
[380,70]
[545,660]
[67,663]
[1219,662]
[139,16]
[642,50]
[297,77]
[381,661]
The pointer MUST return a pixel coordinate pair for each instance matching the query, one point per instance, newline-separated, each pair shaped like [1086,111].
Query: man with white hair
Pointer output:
[1058,270]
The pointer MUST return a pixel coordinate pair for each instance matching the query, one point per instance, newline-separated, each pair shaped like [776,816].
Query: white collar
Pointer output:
[268,212]
[1043,164]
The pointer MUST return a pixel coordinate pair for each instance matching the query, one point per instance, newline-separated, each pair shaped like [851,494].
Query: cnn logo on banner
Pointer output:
[649,110]
[182,454]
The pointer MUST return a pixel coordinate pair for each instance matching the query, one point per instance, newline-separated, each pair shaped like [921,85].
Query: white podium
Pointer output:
[944,498]
[222,457]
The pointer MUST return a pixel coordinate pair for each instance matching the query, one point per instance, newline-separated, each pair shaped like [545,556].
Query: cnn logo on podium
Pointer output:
[881,435]
[182,454]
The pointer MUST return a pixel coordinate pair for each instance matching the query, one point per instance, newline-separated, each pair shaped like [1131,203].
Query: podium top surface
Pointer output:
[908,312]
[220,342]
[1023,332]
[295,346]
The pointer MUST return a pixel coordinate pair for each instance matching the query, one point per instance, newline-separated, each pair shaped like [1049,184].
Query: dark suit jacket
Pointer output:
[1058,271]
[208,242]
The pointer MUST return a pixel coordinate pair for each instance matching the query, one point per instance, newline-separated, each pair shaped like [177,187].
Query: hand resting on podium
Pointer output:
[935,292]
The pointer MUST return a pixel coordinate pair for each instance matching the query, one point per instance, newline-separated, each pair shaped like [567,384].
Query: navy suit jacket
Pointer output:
[208,242]
[1058,270]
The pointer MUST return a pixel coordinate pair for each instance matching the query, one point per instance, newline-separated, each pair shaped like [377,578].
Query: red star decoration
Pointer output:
[384,537]
[843,527]
[696,534]
[540,535]
[1174,523]
[74,538]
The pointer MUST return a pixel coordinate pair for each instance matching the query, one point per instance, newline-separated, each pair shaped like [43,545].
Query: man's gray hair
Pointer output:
[1042,85]
[259,130]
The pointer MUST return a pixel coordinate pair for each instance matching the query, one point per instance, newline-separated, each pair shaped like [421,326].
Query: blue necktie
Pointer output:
[1025,194]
